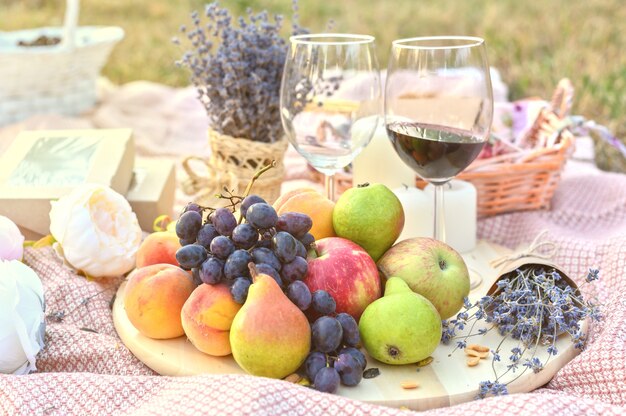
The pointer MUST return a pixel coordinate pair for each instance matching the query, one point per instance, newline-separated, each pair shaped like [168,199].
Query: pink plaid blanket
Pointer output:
[85,368]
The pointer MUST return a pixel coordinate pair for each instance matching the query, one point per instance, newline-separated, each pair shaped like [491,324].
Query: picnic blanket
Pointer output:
[86,369]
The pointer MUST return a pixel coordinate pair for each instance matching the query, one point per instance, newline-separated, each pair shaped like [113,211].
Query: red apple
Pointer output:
[346,272]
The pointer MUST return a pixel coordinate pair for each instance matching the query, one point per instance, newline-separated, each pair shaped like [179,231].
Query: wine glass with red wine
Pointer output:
[438,108]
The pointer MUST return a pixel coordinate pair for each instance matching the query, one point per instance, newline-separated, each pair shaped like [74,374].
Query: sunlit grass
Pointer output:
[534,44]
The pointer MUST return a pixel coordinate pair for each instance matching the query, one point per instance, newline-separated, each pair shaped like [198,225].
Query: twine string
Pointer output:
[213,181]
[535,249]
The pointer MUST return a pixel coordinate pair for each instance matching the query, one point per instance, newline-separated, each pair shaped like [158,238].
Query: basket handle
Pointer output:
[214,181]
[189,169]
[562,98]
[70,23]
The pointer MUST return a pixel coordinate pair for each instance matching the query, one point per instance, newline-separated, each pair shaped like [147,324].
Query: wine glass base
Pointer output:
[475,278]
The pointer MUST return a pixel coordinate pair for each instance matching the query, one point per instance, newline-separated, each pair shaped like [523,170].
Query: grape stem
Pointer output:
[256,176]
[236,199]
[253,271]
[313,250]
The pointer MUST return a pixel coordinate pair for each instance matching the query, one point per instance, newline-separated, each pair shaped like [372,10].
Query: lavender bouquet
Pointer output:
[532,305]
[237,69]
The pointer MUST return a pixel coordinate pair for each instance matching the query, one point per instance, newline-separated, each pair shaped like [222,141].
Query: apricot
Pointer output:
[315,205]
[157,248]
[154,298]
[207,316]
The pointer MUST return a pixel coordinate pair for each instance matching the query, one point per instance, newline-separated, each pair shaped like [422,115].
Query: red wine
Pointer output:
[436,153]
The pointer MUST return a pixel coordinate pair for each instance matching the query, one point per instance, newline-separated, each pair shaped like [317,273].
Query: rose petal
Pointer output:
[11,240]
[13,359]
[61,210]
[101,235]
[21,317]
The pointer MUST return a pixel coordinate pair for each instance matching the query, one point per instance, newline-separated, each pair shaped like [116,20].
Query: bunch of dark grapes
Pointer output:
[335,355]
[217,248]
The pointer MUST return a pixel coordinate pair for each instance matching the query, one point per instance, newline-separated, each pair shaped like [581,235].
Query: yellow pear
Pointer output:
[270,336]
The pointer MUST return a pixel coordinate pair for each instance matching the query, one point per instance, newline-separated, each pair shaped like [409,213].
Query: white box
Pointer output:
[152,190]
[41,166]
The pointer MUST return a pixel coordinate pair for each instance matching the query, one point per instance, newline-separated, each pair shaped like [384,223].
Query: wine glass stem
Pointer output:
[440,226]
[329,184]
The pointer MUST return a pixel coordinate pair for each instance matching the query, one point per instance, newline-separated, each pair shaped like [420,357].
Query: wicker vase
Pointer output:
[232,164]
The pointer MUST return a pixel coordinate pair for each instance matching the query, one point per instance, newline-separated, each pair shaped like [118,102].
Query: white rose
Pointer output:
[22,319]
[11,240]
[97,230]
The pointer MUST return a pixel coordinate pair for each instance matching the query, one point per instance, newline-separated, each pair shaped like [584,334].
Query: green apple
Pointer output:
[432,269]
[371,216]
[402,327]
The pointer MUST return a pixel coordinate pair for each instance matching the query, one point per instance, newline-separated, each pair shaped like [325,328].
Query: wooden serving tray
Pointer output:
[446,381]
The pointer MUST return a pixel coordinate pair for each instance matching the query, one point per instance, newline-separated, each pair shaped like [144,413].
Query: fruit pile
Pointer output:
[218,249]
[296,286]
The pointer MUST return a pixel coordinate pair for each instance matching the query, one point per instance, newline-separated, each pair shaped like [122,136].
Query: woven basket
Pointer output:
[59,79]
[232,164]
[528,184]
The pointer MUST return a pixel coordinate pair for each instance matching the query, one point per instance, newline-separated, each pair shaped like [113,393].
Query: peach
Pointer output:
[207,316]
[315,205]
[156,248]
[210,341]
[286,196]
[154,298]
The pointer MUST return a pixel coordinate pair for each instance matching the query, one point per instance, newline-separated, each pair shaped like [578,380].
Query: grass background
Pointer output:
[532,43]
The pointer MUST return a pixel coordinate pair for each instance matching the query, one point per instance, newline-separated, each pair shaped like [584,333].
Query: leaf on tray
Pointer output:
[425,362]
[371,373]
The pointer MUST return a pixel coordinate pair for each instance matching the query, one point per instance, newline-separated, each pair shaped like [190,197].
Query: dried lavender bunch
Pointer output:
[237,67]
[532,305]
[581,126]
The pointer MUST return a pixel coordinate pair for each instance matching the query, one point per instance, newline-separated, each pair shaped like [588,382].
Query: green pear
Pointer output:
[402,327]
[395,286]
[270,336]
[371,216]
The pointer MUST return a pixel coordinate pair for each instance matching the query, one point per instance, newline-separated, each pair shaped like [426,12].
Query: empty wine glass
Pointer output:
[438,108]
[330,99]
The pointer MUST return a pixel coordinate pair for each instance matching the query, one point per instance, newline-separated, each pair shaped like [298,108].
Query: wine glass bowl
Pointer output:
[438,103]
[330,99]
[436,153]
